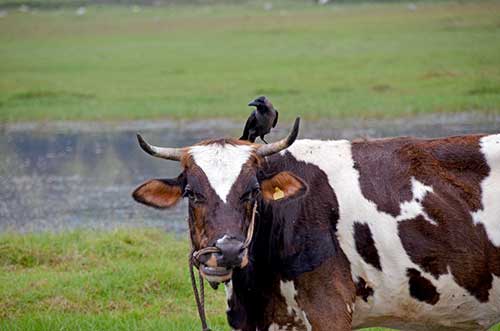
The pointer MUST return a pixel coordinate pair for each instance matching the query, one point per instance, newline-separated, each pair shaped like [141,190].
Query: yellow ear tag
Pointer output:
[278,193]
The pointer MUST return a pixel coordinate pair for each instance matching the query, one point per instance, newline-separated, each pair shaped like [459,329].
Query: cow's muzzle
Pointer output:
[216,263]
[229,253]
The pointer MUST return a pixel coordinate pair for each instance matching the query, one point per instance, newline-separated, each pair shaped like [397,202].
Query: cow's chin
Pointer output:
[216,274]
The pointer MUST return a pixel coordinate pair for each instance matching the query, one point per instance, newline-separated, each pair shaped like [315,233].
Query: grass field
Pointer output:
[126,280]
[115,63]
[122,280]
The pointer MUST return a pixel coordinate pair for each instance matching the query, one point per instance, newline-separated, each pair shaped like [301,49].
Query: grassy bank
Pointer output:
[125,280]
[122,280]
[114,63]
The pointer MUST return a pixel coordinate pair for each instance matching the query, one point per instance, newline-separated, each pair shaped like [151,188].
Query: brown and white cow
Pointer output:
[398,232]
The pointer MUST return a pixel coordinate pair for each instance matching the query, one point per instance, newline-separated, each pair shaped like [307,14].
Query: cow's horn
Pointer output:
[162,152]
[269,149]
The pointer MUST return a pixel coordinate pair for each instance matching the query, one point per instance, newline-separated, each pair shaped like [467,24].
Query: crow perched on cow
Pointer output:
[261,120]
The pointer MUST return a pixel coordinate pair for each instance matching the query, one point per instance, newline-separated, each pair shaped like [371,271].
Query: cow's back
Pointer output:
[420,225]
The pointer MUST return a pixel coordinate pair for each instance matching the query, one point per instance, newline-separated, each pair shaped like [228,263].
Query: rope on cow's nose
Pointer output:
[207,250]
[194,261]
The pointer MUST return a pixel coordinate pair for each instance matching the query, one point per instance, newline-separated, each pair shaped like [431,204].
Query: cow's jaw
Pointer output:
[216,274]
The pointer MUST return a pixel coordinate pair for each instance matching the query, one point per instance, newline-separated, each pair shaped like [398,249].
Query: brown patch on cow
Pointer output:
[386,166]
[158,193]
[383,177]
[363,290]
[285,183]
[421,288]
[455,163]
[327,293]
[365,244]
[425,245]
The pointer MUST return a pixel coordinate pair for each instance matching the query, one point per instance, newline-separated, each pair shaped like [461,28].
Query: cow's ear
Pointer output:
[283,185]
[159,193]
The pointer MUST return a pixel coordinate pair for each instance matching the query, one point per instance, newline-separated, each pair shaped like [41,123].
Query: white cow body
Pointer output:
[391,304]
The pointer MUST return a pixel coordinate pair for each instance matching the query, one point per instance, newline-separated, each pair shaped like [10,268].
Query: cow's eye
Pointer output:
[193,196]
[250,194]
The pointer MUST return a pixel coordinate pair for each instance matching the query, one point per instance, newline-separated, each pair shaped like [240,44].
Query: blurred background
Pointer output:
[78,79]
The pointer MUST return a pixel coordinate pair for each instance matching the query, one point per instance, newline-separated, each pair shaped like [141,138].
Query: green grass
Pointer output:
[124,280]
[135,279]
[341,60]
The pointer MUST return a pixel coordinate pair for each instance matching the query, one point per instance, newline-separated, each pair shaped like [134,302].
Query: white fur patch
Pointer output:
[489,216]
[413,208]
[276,327]
[229,292]
[221,164]
[391,304]
[288,291]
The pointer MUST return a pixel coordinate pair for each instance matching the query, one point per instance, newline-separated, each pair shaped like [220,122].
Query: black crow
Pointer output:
[261,120]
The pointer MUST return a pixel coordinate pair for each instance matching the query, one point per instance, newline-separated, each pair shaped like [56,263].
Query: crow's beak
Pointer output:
[254,103]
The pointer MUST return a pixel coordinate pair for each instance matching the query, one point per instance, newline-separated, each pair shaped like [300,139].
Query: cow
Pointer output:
[396,232]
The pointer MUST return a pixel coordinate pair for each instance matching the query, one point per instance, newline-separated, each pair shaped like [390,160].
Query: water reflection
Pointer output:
[68,175]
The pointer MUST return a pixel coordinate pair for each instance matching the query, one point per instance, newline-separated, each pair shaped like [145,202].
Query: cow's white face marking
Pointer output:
[489,216]
[391,297]
[221,164]
[288,291]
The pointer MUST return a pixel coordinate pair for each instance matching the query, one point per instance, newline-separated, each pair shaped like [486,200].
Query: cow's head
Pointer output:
[223,181]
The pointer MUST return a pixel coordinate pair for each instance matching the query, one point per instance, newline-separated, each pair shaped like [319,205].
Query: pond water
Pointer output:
[67,175]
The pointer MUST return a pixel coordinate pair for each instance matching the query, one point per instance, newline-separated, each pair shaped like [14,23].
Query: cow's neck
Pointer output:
[251,288]
[285,245]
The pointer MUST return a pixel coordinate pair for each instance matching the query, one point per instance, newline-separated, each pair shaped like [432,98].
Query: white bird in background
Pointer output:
[81,11]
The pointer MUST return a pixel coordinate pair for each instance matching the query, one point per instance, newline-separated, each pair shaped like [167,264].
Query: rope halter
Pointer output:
[194,260]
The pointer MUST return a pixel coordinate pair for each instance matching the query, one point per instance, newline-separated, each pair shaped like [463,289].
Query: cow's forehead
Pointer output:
[221,163]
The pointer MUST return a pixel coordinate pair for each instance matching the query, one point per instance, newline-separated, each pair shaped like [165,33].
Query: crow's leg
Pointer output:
[262,137]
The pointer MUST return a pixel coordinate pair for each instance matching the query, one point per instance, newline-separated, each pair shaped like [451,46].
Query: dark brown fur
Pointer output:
[421,288]
[383,176]
[363,290]
[365,245]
